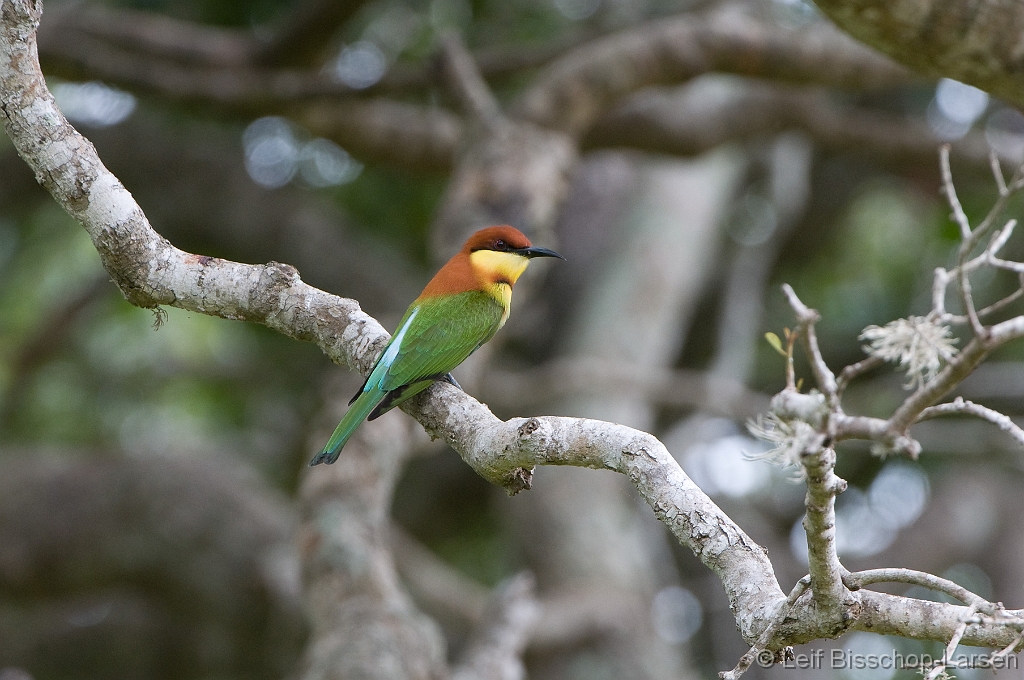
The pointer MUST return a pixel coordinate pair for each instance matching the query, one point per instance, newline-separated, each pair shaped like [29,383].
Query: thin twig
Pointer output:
[967,242]
[960,405]
[997,172]
[954,641]
[854,370]
[964,287]
[766,637]
[1001,237]
[1015,185]
[791,337]
[858,580]
[808,317]
[947,187]
[1010,648]
[464,79]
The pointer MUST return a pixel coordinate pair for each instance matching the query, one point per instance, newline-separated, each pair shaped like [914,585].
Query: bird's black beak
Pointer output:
[537,251]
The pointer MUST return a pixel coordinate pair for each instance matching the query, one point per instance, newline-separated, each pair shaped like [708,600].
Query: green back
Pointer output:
[444,331]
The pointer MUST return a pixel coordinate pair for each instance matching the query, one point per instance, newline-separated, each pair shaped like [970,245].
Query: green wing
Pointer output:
[434,336]
[443,333]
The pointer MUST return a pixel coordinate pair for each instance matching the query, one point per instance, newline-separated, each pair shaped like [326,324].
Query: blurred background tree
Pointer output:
[686,156]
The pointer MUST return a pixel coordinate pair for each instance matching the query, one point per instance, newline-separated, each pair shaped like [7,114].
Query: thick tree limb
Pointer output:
[152,34]
[160,553]
[386,131]
[72,31]
[496,650]
[976,42]
[467,83]
[363,623]
[705,114]
[577,88]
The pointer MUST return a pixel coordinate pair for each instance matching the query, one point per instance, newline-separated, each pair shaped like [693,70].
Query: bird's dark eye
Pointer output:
[500,245]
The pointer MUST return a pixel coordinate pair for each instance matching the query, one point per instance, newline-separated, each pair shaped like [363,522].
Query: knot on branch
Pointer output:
[529,427]
[281,275]
[520,479]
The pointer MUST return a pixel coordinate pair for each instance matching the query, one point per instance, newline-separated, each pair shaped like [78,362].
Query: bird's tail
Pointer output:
[355,415]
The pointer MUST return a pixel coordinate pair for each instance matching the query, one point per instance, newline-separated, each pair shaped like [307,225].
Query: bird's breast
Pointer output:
[502,292]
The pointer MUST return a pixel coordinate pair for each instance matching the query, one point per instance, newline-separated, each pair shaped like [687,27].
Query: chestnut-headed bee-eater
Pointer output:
[461,308]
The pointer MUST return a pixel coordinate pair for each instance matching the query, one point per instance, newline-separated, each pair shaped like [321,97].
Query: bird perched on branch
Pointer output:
[461,308]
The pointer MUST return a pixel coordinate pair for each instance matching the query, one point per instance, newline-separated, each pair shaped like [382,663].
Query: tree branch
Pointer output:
[576,89]
[823,486]
[151,35]
[465,81]
[959,405]
[496,650]
[302,35]
[973,41]
[363,624]
[387,131]
[858,580]
[703,115]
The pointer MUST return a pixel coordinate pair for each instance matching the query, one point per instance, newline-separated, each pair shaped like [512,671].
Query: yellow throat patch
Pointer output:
[497,272]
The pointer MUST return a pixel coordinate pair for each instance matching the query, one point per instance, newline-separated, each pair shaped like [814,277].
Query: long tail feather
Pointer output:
[362,407]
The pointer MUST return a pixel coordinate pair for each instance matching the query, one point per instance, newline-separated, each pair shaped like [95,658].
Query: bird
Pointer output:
[459,310]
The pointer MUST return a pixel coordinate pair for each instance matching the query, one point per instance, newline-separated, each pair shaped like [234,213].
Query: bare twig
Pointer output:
[808,317]
[997,171]
[958,368]
[954,642]
[967,239]
[1010,648]
[960,406]
[766,637]
[950,190]
[465,81]
[849,373]
[858,580]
